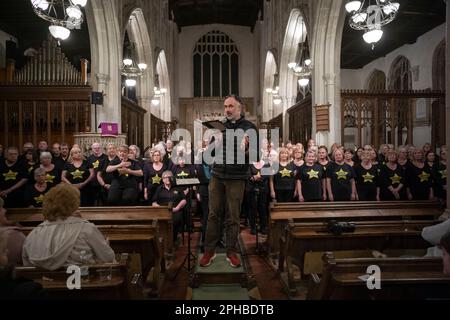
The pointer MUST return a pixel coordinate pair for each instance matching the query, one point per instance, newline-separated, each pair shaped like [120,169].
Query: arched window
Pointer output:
[376,81]
[400,74]
[216,66]
[439,67]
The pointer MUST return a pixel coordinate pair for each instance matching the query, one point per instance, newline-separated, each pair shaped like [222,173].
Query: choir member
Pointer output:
[153,171]
[282,183]
[430,158]
[419,185]
[311,183]
[392,179]
[52,171]
[79,173]
[105,178]
[31,162]
[13,176]
[403,160]
[366,179]
[124,188]
[323,159]
[440,176]
[340,179]
[95,159]
[257,189]
[34,193]
[348,157]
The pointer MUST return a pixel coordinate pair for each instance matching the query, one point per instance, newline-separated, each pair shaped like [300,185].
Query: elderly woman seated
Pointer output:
[168,193]
[64,235]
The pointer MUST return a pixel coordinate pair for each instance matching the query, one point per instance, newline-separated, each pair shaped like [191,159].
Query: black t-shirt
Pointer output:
[106,176]
[33,197]
[341,176]
[96,161]
[262,184]
[311,178]
[391,178]
[11,175]
[440,179]
[152,177]
[125,180]
[419,181]
[284,178]
[59,162]
[77,175]
[163,196]
[53,177]
[366,179]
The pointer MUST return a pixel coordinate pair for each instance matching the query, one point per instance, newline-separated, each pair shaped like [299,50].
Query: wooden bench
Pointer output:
[301,238]
[401,278]
[110,216]
[143,240]
[55,282]
[280,214]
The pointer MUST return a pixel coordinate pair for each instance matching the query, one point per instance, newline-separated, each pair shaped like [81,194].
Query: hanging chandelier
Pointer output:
[131,69]
[303,66]
[158,92]
[64,15]
[370,19]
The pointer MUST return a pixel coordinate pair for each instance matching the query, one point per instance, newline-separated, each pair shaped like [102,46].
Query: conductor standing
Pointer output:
[228,175]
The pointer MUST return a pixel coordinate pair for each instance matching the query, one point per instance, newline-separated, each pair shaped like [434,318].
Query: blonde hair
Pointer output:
[60,202]
[70,160]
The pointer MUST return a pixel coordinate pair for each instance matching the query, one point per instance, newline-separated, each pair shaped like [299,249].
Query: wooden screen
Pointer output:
[300,121]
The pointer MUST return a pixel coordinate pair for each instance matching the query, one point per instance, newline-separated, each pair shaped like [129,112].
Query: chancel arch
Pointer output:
[270,70]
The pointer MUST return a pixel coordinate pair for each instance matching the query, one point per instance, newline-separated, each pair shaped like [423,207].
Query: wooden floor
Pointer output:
[267,281]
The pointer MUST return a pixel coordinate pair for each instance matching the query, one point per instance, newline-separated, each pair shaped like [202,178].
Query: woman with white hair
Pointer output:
[34,193]
[52,172]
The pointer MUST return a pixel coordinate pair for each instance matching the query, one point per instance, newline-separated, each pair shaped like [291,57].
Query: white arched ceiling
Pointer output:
[295,33]
[270,69]
[106,51]
[164,82]
[138,33]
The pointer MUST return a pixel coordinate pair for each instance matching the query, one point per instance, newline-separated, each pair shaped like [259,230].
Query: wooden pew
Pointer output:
[110,216]
[143,240]
[55,282]
[280,214]
[401,278]
[301,238]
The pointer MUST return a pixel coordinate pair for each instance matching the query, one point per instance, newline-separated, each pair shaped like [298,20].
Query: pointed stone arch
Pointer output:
[270,69]
[165,111]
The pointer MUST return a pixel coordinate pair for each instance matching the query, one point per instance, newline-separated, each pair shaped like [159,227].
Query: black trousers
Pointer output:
[284,195]
[94,194]
[367,194]
[122,196]
[257,204]
[178,222]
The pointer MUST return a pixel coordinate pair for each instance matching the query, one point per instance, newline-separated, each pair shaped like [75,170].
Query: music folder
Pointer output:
[215,124]
[187,182]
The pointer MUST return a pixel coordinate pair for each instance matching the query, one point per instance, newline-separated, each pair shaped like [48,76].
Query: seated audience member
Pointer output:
[367,185]
[445,245]
[392,179]
[52,171]
[340,179]
[124,188]
[15,236]
[34,193]
[433,234]
[167,193]
[79,173]
[13,176]
[311,183]
[440,176]
[61,238]
[282,183]
[12,287]
[419,184]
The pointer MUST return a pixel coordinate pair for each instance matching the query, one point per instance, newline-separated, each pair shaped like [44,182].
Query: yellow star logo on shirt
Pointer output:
[156,180]
[77,174]
[368,177]
[39,199]
[95,164]
[30,169]
[285,173]
[395,179]
[424,176]
[341,174]
[443,173]
[313,174]
[182,175]
[49,178]
[10,175]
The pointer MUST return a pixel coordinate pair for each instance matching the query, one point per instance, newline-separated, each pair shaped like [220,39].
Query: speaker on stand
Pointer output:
[96,99]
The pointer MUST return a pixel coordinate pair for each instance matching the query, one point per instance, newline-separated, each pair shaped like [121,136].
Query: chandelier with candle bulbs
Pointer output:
[302,67]
[64,15]
[131,69]
[372,17]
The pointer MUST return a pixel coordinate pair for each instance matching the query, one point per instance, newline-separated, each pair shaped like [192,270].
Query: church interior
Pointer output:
[105,192]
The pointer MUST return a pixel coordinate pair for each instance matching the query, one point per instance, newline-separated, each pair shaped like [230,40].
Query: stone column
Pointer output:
[447,103]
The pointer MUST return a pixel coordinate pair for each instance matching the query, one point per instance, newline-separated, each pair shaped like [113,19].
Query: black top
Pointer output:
[53,177]
[96,161]
[106,176]
[419,181]
[77,175]
[152,177]
[366,179]
[341,176]
[163,196]
[440,179]
[33,197]
[311,178]
[284,178]
[59,162]
[263,184]
[11,175]
[390,177]
[125,180]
